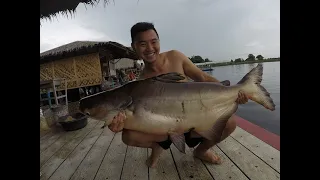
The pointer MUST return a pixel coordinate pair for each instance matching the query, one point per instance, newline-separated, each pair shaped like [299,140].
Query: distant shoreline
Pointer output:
[244,62]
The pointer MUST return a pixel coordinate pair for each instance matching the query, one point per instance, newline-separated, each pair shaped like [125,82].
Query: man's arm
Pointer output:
[192,71]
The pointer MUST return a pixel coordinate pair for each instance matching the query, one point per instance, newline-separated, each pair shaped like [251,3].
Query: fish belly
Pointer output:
[149,122]
[163,115]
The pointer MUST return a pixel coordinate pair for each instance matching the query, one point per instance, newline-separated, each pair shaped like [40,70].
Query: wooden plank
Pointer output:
[52,131]
[112,163]
[54,162]
[44,132]
[188,166]
[135,167]
[267,153]
[90,165]
[45,155]
[165,169]
[46,136]
[46,142]
[259,132]
[53,148]
[69,166]
[226,170]
[248,162]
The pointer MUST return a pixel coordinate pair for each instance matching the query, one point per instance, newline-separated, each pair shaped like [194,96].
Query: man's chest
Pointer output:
[164,70]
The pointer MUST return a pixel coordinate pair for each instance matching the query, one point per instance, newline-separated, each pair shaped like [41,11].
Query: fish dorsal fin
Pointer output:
[225,83]
[169,77]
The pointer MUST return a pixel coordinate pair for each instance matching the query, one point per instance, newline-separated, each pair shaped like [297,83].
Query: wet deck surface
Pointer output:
[95,153]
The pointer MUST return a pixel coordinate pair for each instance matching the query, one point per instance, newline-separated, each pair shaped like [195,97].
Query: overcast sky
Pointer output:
[220,30]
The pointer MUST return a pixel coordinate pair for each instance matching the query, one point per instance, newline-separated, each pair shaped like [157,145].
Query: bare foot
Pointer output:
[155,155]
[152,162]
[207,156]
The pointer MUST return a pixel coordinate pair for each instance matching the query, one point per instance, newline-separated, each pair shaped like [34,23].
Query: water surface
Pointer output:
[251,111]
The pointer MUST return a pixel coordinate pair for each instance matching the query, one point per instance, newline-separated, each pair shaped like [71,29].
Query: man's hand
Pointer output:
[117,123]
[242,98]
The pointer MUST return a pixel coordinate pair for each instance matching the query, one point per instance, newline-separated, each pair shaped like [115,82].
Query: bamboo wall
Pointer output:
[79,71]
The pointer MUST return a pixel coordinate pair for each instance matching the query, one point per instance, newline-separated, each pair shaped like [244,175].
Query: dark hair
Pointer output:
[141,27]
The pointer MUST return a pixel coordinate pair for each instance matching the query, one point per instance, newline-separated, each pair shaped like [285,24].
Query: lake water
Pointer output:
[251,111]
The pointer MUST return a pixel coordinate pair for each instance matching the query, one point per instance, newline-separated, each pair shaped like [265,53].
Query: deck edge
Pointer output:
[259,132]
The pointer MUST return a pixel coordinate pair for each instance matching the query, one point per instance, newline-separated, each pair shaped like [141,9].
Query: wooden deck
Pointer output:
[95,153]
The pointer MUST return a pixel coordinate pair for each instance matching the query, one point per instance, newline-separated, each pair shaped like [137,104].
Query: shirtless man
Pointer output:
[145,42]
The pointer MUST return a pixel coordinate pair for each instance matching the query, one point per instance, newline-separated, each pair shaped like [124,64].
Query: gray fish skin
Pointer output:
[164,105]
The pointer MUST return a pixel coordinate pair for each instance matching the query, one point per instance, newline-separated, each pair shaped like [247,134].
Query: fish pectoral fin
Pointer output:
[121,100]
[169,77]
[215,132]
[125,102]
[179,142]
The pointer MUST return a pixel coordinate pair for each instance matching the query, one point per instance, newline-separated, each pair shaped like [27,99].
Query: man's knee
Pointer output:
[128,137]
[232,123]
[230,126]
[135,138]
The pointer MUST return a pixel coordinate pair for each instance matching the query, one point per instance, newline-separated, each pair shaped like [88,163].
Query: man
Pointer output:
[145,42]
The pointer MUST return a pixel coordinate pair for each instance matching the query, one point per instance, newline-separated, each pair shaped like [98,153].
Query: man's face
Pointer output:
[147,46]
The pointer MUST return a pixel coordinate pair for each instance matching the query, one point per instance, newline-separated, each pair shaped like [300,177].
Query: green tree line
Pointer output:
[198,59]
[250,59]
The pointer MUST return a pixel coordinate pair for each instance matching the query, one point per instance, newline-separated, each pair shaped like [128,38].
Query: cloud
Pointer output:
[216,29]
[66,31]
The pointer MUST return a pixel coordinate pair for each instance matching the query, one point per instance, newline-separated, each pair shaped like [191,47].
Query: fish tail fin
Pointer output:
[251,86]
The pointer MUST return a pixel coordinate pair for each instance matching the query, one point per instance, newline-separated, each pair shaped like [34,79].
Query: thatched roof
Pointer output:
[86,47]
[50,8]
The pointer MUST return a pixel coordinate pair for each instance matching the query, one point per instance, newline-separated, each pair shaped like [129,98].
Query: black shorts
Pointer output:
[191,142]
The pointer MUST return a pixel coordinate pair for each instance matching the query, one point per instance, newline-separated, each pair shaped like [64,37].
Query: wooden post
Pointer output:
[55,92]
[65,91]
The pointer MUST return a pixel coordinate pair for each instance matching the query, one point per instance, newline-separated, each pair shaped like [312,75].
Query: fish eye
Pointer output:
[87,113]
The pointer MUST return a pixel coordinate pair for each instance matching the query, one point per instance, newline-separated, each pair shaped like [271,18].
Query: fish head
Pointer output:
[104,106]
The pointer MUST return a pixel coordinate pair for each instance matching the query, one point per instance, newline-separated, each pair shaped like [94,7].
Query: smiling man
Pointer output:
[146,43]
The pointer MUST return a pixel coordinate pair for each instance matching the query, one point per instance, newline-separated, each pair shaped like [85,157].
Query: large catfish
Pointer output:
[165,106]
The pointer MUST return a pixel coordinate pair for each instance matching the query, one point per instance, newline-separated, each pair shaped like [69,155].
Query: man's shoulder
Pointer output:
[174,54]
